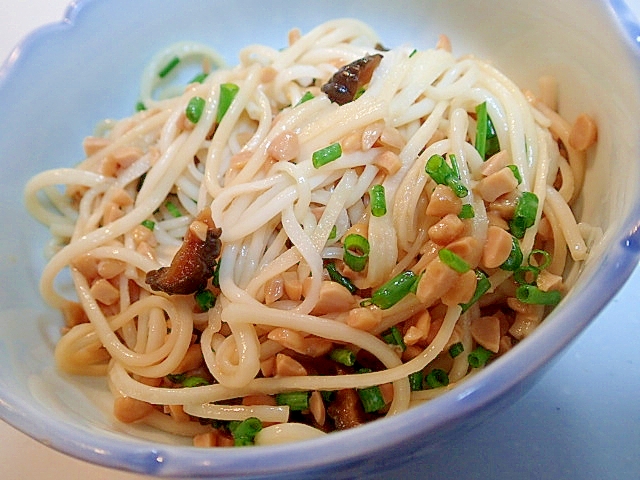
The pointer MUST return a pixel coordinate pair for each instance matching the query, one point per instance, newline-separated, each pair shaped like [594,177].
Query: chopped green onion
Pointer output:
[487,142]
[140,106]
[482,286]
[545,255]
[391,292]
[371,398]
[466,212]
[481,130]
[359,93]
[516,173]
[337,277]
[394,337]
[438,169]
[437,378]
[356,252]
[514,261]
[524,215]
[415,50]
[305,98]
[529,274]
[327,395]
[343,356]
[141,181]
[443,174]
[194,109]
[185,381]
[493,146]
[245,431]
[415,381]
[173,210]
[326,155]
[228,92]
[456,349]
[200,78]
[295,400]
[479,357]
[216,275]
[454,166]
[378,201]
[533,295]
[176,377]
[453,260]
[194,381]
[150,224]
[526,275]
[173,63]
[334,233]
[205,299]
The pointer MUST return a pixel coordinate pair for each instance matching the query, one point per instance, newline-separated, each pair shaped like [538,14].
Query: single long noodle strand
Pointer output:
[559,254]
[567,222]
[561,128]
[279,414]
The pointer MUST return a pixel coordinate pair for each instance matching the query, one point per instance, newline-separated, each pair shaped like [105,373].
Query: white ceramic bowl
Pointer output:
[66,77]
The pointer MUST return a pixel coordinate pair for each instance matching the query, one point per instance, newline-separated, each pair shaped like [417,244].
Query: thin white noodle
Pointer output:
[570,230]
[265,413]
[283,221]
[289,432]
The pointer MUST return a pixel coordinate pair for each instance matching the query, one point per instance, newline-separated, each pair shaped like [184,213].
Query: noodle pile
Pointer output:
[310,285]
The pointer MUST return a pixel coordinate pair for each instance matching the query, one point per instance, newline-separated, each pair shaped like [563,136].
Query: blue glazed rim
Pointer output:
[627,19]
[157,459]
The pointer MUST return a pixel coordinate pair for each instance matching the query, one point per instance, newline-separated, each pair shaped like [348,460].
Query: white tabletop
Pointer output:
[581,421]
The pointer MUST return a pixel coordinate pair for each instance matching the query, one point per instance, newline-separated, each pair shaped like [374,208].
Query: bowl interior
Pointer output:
[67,77]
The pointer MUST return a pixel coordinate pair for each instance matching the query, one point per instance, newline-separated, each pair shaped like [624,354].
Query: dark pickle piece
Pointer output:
[193,264]
[345,83]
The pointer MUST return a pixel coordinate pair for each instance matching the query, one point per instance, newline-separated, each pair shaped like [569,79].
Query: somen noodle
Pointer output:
[319,236]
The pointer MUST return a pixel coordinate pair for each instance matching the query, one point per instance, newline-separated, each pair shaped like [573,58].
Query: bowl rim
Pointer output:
[148,457]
